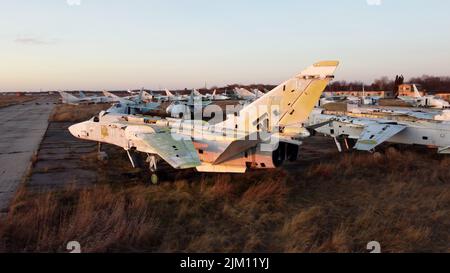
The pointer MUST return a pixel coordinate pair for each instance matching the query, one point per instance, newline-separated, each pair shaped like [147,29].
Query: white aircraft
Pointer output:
[133,92]
[140,97]
[368,131]
[260,136]
[258,93]
[71,99]
[244,94]
[214,96]
[171,97]
[425,101]
[185,109]
[333,99]
[133,104]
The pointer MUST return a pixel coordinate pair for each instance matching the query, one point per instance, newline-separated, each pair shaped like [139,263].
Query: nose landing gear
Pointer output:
[152,161]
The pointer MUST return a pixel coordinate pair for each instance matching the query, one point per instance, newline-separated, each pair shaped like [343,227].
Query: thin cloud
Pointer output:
[33,41]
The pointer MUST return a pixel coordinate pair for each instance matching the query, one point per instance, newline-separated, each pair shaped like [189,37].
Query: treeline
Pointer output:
[432,83]
[428,83]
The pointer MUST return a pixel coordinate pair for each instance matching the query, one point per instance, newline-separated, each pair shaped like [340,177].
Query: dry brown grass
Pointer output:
[401,199]
[76,113]
[103,220]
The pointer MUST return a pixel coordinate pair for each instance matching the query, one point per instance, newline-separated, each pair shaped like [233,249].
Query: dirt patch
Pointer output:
[59,162]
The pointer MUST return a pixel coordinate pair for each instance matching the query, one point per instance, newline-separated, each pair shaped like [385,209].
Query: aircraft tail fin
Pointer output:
[290,103]
[110,95]
[141,94]
[147,96]
[168,93]
[214,93]
[416,92]
[82,95]
[68,98]
[196,93]
[244,93]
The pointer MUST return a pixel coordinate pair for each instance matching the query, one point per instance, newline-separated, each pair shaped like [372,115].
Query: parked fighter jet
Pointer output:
[260,136]
[142,96]
[133,92]
[333,99]
[244,94]
[425,101]
[186,109]
[258,93]
[132,105]
[171,97]
[71,99]
[368,131]
[214,96]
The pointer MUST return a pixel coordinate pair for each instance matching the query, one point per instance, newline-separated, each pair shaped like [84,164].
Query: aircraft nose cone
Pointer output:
[75,130]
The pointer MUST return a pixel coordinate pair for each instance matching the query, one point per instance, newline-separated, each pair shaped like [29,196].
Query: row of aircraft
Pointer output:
[108,97]
[264,133]
[144,102]
[416,100]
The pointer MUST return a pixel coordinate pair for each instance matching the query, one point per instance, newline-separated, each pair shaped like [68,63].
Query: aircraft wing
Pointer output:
[180,154]
[375,134]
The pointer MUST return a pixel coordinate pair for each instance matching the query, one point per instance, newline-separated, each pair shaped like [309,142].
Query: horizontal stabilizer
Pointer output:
[235,148]
[375,134]
[445,150]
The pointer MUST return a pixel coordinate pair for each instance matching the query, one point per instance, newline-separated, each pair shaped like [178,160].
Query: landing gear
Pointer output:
[348,143]
[152,162]
[101,156]
[154,179]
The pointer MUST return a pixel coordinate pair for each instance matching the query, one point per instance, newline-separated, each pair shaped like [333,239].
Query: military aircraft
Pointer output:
[244,94]
[425,101]
[214,96]
[81,94]
[258,93]
[133,92]
[71,99]
[171,97]
[185,109]
[262,135]
[367,130]
[132,105]
[142,96]
[337,99]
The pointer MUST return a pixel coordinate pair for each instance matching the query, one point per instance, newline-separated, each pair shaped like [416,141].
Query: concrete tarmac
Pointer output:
[22,128]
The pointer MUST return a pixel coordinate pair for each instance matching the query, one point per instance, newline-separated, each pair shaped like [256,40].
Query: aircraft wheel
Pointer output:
[154,179]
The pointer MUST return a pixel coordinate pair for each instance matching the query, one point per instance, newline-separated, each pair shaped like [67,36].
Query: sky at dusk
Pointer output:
[118,44]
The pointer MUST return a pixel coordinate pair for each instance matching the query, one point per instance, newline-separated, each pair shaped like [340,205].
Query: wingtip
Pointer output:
[326,63]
